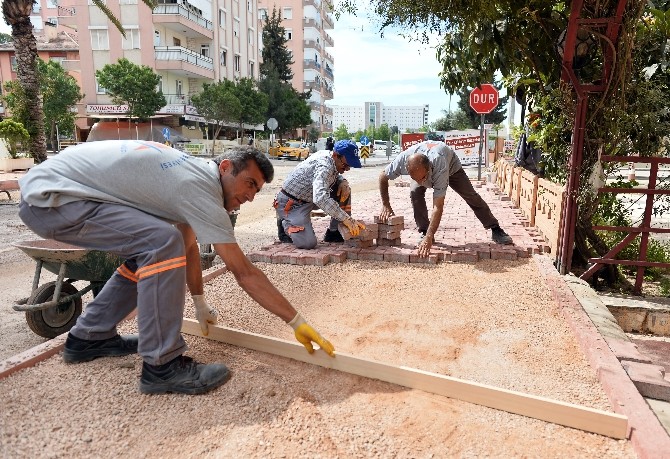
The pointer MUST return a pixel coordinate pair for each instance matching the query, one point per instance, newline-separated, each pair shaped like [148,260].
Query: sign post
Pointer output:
[483,100]
[364,148]
[272,125]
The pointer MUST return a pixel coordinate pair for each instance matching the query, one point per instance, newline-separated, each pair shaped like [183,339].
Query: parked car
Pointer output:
[290,149]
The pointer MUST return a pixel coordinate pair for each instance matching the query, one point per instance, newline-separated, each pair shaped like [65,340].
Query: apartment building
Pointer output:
[359,118]
[186,42]
[306,23]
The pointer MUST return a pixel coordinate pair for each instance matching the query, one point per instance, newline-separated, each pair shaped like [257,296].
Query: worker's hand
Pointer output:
[343,191]
[423,250]
[355,227]
[385,214]
[204,314]
[305,334]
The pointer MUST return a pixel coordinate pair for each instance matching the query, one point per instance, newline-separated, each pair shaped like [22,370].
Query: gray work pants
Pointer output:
[298,216]
[461,184]
[153,277]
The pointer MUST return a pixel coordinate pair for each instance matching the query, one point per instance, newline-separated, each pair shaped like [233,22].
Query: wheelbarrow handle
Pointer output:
[49,304]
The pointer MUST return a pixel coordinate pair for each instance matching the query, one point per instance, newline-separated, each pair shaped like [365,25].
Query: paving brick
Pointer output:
[649,379]
[430,259]
[396,256]
[370,255]
[317,259]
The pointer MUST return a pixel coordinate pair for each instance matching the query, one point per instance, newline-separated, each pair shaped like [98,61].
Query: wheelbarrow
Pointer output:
[53,308]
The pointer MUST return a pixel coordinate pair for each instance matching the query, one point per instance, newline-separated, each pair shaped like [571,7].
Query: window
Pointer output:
[132,40]
[237,63]
[250,6]
[157,38]
[127,2]
[236,27]
[99,89]
[251,68]
[51,21]
[263,14]
[99,39]
[288,13]
[12,63]
[204,50]
[250,36]
[159,86]
[222,19]
[178,87]
[288,34]
[224,56]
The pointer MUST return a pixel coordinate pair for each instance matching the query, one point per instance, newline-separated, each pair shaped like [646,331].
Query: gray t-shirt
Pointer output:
[148,176]
[443,163]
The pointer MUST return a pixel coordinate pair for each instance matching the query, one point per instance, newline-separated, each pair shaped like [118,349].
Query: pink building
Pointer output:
[306,23]
[186,42]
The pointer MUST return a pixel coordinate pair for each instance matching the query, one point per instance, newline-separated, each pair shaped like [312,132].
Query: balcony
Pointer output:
[327,93]
[311,44]
[328,40]
[328,111]
[315,3]
[183,61]
[183,20]
[313,85]
[309,22]
[66,17]
[328,22]
[71,65]
[311,64]
[329,72]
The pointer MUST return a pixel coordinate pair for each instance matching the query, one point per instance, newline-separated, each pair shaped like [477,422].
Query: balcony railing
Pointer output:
[178,53]
[311,44]
[65,12]
[329,72]
[311,64]
[328,21]
[174,9]
[309,22]
[177,99]
[315,3]
[312,85]
[329,40]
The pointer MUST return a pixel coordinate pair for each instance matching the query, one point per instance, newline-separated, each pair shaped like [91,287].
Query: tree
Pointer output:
[254,104]
[384,132]
[313,134]
[14,133]
[341,133]
[61,92]
[277,59]
[132,85]
[17,15]
[218,103]
[5,38]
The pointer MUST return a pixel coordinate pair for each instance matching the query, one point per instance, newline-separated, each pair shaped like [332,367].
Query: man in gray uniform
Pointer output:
[433,164]
[147,203]
[318,183]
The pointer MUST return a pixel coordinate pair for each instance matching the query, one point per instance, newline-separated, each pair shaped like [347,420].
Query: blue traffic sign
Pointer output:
[166,133]
[365,140]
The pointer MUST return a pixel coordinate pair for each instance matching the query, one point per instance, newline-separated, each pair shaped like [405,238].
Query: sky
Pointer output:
[392,70]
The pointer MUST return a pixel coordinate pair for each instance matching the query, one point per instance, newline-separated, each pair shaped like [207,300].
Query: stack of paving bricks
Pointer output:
[460,238]
[365,239]
[389,232]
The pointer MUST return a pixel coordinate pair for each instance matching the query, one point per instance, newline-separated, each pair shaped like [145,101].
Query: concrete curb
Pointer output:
[647,435]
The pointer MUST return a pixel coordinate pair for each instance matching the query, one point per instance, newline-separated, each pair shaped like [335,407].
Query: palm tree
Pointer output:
[17,15]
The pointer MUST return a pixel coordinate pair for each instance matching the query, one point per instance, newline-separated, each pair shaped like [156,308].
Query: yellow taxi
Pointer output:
[290,149]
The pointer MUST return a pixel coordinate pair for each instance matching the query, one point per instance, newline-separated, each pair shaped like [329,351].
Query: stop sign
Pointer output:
[484,100]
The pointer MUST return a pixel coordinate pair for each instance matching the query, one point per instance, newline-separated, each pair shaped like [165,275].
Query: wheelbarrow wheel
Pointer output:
[56,320]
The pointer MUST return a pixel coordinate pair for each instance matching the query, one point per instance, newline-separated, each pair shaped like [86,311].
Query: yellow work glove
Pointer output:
[305,334]
[354,227]
[204,314]
[343,191]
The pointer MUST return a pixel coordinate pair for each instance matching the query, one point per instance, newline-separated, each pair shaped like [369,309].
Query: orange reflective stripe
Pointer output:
[295,229]
[150,270]
[346,208]
[127,273]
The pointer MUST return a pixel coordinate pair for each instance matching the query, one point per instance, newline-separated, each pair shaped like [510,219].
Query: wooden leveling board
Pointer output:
[566,414]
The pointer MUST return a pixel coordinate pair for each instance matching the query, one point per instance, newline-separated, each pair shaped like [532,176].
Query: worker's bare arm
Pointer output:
[435,217]
[386,211]
[193,268]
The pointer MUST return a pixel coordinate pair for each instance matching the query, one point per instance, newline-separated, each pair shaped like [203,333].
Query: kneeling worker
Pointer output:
[434,164]
[318,183]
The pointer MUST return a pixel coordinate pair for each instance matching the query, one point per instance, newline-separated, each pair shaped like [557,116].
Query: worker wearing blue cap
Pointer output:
[318,183]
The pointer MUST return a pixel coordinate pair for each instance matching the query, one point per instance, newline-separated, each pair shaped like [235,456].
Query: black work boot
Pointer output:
[281,234]
[499,236]
[182,375]
[332,236]
[82,350]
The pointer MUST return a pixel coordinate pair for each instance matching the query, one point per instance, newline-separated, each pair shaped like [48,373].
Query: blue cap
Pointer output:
[349,150]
